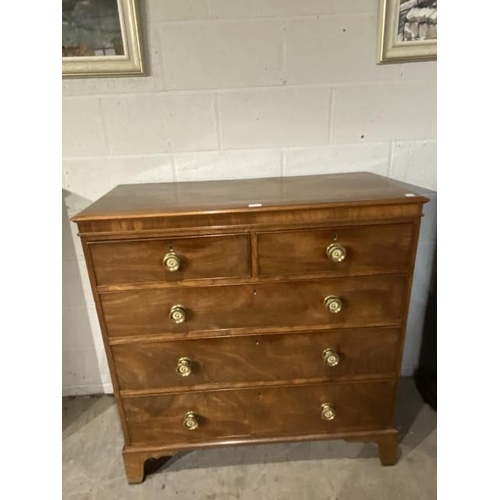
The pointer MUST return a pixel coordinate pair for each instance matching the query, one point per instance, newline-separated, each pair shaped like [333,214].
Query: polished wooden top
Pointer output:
[142,200]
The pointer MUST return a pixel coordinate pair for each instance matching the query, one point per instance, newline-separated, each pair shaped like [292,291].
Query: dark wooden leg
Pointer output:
[388,448]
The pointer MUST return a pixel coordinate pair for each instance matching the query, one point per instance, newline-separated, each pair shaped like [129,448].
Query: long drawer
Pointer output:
[253,413]
[365,301]
[360,250]
[367,352]
[137,261]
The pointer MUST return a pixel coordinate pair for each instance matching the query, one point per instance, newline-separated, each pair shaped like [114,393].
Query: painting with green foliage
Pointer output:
[91,28]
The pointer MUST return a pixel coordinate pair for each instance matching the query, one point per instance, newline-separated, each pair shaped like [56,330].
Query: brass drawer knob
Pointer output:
[327,411]
[191,421]
[184,367]
[178,314]
[336,252]
[333,304]
[330,357]
[172,261]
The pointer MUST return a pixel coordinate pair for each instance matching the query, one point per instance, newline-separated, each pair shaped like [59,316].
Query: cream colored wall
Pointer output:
[238,89]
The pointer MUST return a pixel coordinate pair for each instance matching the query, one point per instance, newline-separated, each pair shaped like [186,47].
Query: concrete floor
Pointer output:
[326,470]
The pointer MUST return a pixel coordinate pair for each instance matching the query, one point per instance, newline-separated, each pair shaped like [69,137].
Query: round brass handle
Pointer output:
[333,304]
[336,252]
[191,421]
[178,314]
[330,357]
[327,411]
[172,261]
[184,367]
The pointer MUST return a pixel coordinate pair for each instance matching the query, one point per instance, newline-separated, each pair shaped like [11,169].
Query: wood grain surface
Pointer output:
[370,250]
[258,412]
[258,218]
[118,262]
[246,195]
[254,275]
[363,353]
[367,301]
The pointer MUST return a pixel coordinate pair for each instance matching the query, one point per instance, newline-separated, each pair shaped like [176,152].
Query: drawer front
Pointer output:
[253,413]
[366,301]
[261,358]
[368,250]
[142,261]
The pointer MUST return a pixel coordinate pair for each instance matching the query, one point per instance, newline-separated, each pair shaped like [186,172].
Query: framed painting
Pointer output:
[408,31]
[101,38]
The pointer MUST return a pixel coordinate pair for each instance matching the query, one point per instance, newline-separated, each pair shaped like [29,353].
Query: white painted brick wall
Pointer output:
[334,49]
[227,54]
[83,132]
[240,89]
[275,117]
[238,164]
[158,123]
[385,112]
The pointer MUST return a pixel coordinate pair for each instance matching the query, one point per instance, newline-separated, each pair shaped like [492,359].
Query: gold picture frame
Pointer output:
[93,57]
[404,25]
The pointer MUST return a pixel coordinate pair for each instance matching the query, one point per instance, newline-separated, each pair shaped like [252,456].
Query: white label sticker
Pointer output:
[409,194]
[254,205]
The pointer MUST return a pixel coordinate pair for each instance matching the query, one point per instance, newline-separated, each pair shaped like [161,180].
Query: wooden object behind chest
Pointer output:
[253,311]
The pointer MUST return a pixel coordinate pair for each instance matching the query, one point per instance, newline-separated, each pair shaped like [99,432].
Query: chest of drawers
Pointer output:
[253,311]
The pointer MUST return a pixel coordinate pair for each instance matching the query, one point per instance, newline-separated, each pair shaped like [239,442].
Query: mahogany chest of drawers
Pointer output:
[253,311]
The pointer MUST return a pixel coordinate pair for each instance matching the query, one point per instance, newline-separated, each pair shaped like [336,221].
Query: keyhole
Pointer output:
[256,342]
[254,291]
[335,237]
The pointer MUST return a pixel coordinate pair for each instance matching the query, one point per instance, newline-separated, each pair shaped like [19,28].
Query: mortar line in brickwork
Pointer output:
[391,157]
[264,18]
[118,156]
[218,121]
[210,11]
[283,54]
[173,154]
[174,168]
[104,128]
[255,148]
[330,121]
[265,88]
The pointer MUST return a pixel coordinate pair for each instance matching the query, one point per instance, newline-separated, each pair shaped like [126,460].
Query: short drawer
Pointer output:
[353,250]
[137,261]
[341,354]
[365,301]
[254,413]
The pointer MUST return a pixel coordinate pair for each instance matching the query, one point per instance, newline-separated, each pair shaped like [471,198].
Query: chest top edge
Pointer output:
[248,196]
